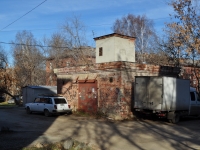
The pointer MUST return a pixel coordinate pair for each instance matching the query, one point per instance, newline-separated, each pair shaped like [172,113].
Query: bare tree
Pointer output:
[58,45]
[159,58]
[7,77]
[75,32]
[172,46]
[70,42]
[68,47]
[58,49]
[140,27]
[28,60]
[56,54]
[3,58]
[183,35]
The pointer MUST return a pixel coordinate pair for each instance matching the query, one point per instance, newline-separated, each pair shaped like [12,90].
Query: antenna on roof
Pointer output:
[93,33]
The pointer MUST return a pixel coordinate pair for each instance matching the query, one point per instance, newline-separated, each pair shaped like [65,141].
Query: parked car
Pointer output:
[11,101]
[49,105]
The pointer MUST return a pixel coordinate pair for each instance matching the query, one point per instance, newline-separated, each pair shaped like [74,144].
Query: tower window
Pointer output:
[100,51]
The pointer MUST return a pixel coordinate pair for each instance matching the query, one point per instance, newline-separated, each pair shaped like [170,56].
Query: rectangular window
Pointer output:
[47,101]
[60,101]
[100,51]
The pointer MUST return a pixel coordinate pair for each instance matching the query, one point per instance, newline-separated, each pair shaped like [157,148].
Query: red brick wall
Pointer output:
[193,74]
[109,96]
[51,78]
[115,84]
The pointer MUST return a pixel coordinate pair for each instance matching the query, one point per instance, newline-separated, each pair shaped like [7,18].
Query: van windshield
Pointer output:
[60,101]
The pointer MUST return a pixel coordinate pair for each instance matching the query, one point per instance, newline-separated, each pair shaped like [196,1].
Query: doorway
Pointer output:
[87,99]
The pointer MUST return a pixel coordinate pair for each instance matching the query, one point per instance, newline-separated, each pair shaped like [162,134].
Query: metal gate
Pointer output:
[87,100]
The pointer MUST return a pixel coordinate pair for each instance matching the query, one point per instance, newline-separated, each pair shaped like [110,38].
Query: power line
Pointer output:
[22,44]
[30,29]
[37,45]
[23,15]
[94,25]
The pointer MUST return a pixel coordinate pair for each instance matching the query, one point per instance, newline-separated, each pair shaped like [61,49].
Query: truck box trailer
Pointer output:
[165,97]
[31,92]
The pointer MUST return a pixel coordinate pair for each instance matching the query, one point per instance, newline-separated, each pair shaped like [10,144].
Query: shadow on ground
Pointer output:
[99,133]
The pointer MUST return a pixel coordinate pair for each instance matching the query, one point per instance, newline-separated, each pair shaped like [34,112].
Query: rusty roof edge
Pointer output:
[114,34]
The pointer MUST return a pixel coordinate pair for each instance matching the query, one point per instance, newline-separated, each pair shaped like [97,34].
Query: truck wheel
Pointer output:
[28,111]
[175,118]
[46,113]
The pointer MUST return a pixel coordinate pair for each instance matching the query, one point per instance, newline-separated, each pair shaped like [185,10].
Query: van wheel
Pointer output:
[28,111]
[176,118]
[46,113]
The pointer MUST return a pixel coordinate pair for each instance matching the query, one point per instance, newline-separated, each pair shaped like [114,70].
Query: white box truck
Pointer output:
[165,97]
[31,92]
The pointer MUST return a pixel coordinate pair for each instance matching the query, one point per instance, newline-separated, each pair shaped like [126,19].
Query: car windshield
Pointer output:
[60,101]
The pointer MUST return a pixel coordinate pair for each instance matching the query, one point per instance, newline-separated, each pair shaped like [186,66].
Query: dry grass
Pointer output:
[59,146]
[6,104]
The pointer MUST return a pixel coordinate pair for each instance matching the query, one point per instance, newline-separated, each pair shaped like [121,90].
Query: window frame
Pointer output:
[100,51]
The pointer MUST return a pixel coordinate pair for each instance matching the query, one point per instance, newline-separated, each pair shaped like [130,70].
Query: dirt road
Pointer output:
[31,129]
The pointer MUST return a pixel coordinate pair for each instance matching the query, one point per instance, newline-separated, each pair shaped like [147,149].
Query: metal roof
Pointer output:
[40,87]
[114,34]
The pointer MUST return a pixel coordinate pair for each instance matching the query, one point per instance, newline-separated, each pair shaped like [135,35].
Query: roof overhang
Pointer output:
[114,35]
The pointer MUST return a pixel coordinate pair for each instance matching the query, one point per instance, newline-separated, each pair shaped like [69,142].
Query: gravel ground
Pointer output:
[22,130]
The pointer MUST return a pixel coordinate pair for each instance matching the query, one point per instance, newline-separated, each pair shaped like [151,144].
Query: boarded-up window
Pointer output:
[100,51]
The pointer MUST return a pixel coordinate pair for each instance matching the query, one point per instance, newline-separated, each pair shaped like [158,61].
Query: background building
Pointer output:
[107,86]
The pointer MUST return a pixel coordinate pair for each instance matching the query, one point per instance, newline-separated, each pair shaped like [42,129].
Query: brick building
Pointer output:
[107,85]
[70,58]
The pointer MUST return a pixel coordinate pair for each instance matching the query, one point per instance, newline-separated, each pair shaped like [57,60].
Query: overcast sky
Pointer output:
[97,15]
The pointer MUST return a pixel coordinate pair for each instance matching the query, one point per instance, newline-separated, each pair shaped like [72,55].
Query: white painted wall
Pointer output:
[115,49]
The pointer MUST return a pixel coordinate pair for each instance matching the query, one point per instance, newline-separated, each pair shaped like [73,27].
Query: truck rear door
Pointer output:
[155,88]
[140,95]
